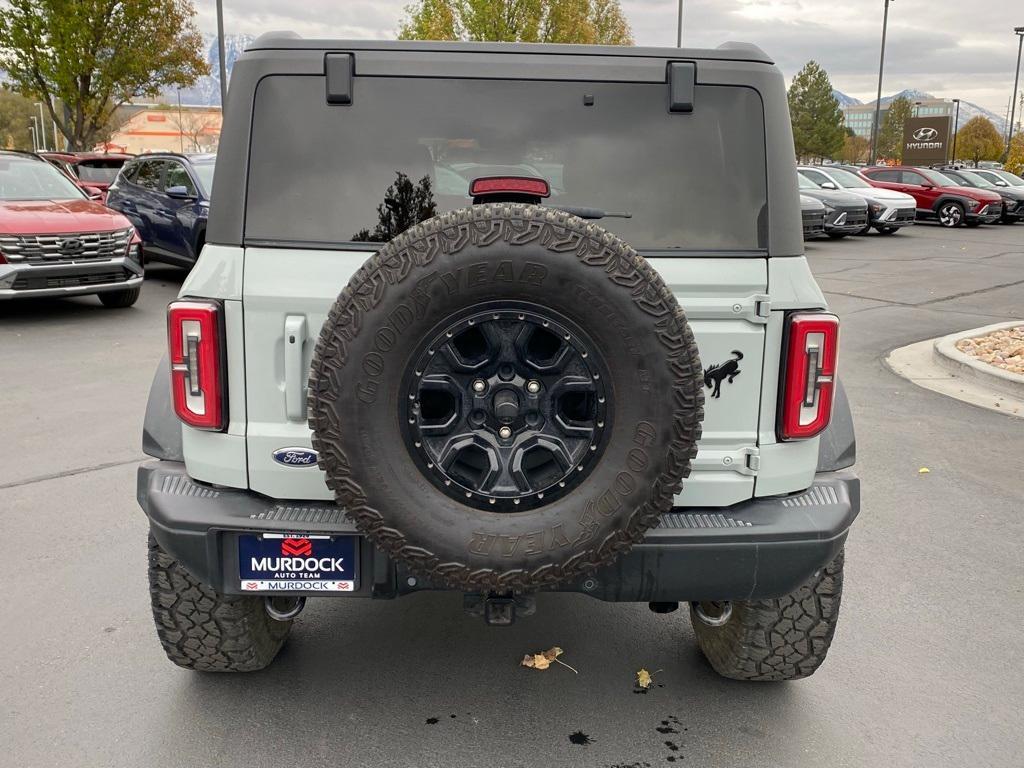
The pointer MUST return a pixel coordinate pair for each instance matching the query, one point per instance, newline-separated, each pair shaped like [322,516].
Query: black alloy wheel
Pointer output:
[507,407]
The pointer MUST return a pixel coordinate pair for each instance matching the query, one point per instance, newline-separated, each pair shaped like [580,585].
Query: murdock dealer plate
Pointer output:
[296,562]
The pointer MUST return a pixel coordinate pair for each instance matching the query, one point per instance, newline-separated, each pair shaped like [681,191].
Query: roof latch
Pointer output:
[338,69]
[682,79]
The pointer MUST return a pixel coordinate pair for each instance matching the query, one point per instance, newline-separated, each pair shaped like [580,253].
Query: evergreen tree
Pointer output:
[818,125]
[890,135]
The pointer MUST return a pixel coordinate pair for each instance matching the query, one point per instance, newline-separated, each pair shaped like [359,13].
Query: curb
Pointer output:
[947,356]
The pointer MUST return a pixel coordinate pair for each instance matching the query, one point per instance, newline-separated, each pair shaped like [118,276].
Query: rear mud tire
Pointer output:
[786,638]
[203,630]
[505,255]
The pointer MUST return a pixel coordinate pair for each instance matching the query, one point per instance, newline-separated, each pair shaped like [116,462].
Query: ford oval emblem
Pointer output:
[295,457]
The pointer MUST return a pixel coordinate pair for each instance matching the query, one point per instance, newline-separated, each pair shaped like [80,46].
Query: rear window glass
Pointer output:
[408,148]
[102,171]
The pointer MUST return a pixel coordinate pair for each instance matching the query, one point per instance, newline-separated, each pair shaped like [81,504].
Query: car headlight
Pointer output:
[972,204]
[828,206]
[875,208]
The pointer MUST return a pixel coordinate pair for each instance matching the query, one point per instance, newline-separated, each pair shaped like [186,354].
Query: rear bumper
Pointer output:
[22,280]
[758,549]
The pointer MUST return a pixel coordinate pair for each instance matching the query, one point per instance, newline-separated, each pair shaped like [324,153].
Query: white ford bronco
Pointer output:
[505,320]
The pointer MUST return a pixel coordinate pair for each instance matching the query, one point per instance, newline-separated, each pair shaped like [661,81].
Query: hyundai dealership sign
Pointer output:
[926,140]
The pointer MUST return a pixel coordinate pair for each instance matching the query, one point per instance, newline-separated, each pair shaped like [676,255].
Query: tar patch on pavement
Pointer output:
[580,738]
[432,721]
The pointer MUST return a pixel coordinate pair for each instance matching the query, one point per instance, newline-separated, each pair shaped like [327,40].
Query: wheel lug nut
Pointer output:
[505,433]
[479,386]
[533,387]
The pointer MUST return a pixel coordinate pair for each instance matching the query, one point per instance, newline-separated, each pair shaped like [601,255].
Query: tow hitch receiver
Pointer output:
[498,610]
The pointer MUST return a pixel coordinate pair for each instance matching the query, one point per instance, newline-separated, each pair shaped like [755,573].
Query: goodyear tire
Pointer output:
[571,447]
[785,638]
[203,630]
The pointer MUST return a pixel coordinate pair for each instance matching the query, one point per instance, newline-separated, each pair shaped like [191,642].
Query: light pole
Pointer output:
[956,127]
[56,144]
[1019,31]
[181,128]
[878,99]
[32,130]
[679,26]
[42,127]
[220,56]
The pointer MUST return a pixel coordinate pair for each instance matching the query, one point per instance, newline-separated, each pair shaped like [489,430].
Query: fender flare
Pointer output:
[161,431]
[837,448]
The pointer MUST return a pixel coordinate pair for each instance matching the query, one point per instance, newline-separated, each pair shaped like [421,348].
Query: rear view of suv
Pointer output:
[491,343]
[938,196]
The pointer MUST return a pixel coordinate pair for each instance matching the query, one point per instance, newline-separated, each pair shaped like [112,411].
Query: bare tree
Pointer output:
[199,128]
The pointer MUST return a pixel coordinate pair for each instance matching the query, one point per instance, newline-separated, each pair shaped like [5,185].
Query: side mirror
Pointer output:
[93,192]
[928,185]
[1002,184]
[179,193]
[828,185]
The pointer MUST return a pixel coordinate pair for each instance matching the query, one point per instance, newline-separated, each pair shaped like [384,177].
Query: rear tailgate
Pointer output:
[285,307]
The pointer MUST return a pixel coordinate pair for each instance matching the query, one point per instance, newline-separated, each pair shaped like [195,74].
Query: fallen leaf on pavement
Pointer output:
[543,659]
[923,471]
[644,679]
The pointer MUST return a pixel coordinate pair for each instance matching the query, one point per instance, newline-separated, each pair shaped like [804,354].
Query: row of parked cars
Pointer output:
[841,200]
[86,223]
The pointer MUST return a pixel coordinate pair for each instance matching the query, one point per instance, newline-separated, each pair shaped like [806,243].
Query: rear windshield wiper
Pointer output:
[592,213]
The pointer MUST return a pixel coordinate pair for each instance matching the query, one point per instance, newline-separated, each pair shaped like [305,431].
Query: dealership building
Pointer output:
[858,117]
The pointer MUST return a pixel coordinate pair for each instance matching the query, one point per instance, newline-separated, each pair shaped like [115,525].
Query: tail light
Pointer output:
[809,379]
[195,336]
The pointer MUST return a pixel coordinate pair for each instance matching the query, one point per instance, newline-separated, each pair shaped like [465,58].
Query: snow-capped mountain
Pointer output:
[206,91]
[844,100]
[968,109]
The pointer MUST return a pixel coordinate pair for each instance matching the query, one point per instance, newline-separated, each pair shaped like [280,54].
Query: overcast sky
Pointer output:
[952,48]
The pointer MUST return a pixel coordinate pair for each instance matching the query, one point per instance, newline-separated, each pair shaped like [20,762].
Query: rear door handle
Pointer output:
[294,370]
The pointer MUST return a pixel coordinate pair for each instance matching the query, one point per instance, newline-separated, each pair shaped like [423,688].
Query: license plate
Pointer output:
[295,562]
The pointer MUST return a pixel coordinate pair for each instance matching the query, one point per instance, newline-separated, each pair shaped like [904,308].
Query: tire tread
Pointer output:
[785,638]
[201,629]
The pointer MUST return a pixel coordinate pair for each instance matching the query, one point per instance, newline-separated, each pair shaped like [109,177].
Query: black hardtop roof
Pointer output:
[729,51]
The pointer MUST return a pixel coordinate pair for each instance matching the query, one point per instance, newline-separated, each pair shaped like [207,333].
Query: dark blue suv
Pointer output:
[167,197]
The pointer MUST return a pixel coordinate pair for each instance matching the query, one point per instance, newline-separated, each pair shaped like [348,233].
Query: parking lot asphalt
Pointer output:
[924,670]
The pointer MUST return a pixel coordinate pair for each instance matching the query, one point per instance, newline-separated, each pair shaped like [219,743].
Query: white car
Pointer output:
[888,210]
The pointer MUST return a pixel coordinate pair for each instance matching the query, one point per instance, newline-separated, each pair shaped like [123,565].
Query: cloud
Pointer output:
[951,49]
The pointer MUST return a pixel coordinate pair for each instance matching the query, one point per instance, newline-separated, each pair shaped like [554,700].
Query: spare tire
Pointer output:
[505,397]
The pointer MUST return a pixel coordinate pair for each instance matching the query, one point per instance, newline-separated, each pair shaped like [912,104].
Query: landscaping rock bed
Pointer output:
[1002,348]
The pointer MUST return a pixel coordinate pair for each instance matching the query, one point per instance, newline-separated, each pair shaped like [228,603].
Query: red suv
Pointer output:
[938,196]
[55,241]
